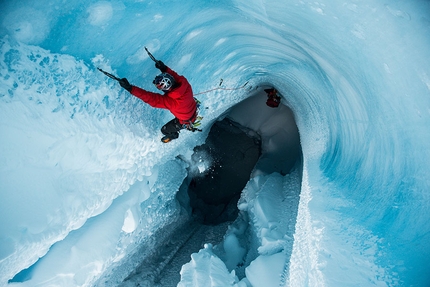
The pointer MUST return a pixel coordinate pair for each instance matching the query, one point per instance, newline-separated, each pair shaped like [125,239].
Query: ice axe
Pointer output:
[151,56]
[158,64]
[109,75]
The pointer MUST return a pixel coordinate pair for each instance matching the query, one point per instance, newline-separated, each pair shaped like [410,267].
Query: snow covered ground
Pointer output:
[85,181]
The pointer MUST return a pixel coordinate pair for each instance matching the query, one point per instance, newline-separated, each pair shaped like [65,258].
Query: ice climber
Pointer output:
[178,99]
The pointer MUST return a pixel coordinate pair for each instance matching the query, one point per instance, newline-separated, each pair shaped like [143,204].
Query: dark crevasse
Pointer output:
[218,171]
[253,138]
[232,152]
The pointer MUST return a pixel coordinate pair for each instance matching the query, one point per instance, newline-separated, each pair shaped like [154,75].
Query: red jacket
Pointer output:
[179,101]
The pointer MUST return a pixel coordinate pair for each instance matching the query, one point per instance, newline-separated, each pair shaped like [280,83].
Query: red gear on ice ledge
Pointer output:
[273,100]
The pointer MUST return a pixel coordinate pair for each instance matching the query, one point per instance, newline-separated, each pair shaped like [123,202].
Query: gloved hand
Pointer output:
[125,84]
[160,65]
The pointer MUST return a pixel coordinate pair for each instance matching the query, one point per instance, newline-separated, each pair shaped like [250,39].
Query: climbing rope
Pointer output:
[221,88]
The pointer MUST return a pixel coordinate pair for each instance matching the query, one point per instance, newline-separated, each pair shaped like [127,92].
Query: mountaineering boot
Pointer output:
[169,137]
[166,139]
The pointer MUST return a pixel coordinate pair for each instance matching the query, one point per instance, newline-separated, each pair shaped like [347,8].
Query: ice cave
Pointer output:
[330,188]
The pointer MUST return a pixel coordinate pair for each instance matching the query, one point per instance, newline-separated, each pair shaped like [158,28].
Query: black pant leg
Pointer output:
[172,128]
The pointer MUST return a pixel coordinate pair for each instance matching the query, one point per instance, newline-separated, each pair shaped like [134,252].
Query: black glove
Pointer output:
[125,84]
[160,65]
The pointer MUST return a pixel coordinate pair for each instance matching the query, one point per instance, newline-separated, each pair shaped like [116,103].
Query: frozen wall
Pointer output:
[82,168]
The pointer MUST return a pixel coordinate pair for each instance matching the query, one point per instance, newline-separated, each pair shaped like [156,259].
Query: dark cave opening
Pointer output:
[232,152]
[252,138]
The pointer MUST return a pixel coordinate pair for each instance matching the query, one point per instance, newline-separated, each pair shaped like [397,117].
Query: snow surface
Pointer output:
[85,181]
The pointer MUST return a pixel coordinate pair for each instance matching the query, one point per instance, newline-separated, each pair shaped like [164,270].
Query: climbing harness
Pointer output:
[193,125]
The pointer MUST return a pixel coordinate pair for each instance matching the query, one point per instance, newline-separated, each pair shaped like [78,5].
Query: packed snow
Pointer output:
[88,189]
